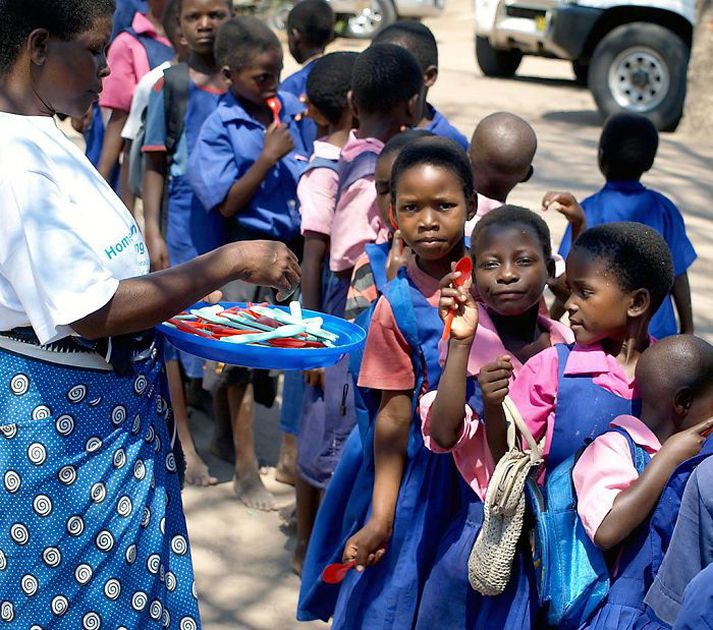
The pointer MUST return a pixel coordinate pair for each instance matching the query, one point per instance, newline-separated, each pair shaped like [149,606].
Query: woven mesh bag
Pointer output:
[490,561]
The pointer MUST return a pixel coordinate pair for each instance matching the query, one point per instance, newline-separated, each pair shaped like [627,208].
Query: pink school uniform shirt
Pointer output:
[471,453]
[317,192]
[356,218]
[606,468]
[128,62]
[387,356]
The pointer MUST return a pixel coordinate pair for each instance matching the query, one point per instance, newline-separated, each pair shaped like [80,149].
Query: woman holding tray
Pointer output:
[93,533]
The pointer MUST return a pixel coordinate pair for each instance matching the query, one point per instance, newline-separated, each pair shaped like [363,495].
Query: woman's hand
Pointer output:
[268,264]
[494,379]
[368,545]
[460,303]
[278,143]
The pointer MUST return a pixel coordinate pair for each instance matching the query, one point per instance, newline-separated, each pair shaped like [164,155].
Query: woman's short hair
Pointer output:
[63,19]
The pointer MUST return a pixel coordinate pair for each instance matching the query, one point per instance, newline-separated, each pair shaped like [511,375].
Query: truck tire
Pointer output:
[372,19]
[641,68]
[494,62]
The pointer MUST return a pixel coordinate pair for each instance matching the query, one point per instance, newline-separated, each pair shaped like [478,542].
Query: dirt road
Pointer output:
[242,556]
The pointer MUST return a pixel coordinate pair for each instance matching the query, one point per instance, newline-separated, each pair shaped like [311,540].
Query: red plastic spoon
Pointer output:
[335,573]
[465,267]
[276,107]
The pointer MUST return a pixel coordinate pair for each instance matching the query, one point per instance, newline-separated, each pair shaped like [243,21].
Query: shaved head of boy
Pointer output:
[675,379]
[501,152]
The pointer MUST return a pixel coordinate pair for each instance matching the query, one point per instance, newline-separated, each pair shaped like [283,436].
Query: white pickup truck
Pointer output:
[633,54]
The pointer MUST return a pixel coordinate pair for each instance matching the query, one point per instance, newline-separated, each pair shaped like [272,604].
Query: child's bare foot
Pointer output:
[252,492]
[197,473]
[298,557]
[286,471]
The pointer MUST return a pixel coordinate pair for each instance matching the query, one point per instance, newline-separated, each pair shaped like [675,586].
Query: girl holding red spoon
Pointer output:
[489,339]
[432,196]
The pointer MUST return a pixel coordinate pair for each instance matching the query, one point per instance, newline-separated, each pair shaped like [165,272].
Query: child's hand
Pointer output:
[460,302]
[315,378]
[686,444]
[399,256]
[278,143]
[367,546]
[158,252]
[494,379]
[566,204]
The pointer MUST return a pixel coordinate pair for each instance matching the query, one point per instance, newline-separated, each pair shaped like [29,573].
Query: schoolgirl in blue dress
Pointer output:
[94,534]
[512,259]
[413,491]
[618,274]
[614,502]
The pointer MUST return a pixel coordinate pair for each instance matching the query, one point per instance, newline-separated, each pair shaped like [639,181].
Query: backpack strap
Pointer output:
[378,256]
[363,165]
[176,90]
[321,162]
[156,52]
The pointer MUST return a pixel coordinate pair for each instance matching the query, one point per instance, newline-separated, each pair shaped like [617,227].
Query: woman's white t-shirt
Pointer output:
[66,239]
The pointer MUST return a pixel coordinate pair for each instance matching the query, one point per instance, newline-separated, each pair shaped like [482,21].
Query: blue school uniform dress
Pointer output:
[228,144]
[440,126]
[448,599]
[387,594]
[632,201]
[691,540]
[631,578]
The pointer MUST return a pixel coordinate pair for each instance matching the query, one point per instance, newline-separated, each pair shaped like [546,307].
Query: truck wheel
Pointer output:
[641,68]
[375,16]
[494,62]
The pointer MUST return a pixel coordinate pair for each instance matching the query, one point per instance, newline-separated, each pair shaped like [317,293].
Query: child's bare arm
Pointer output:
[447,411]
[681,292]
[448,407]
[113,142]
[567,205]
[153,187]
[315,251]
[633,505]
[494,380]
[278,143]
[368,545]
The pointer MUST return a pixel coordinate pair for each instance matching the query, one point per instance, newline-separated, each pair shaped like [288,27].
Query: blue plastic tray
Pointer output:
[351,338]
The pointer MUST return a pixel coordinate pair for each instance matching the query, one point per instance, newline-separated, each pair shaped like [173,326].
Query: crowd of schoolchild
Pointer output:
[381,196]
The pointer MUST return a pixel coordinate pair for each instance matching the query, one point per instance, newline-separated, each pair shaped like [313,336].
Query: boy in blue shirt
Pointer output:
[310,27]
[245,165]
[627,149]
[244,168]
[420,42]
